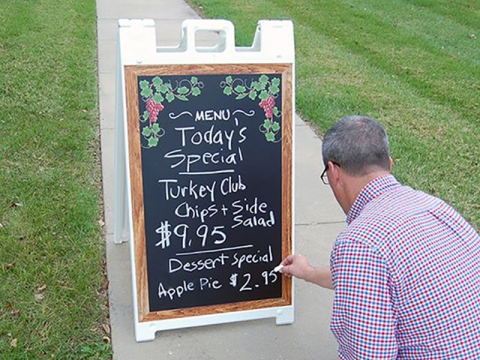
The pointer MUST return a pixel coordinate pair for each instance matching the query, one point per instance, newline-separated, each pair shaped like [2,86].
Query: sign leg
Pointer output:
[120,211]
[285,316]
[120,230]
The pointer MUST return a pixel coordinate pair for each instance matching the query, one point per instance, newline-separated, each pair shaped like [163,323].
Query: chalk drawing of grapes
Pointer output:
[156,94]
[264,89]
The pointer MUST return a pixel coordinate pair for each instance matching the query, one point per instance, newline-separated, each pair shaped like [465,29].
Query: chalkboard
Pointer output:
[210,156]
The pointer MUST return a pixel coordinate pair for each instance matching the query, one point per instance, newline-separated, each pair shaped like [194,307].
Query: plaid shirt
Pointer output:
[406,273]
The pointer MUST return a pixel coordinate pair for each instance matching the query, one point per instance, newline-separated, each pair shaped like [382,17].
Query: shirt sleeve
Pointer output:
[363,319]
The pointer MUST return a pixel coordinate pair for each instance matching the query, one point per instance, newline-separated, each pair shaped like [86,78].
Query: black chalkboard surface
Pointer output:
[210,164]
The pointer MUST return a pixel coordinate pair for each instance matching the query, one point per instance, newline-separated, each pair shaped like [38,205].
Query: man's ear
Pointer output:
[390,161]
[334,172]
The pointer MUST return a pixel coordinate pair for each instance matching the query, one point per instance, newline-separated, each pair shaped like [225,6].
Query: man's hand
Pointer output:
[299,266]
[296,265]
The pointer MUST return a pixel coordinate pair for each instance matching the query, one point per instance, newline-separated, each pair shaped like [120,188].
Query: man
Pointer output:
[406,270]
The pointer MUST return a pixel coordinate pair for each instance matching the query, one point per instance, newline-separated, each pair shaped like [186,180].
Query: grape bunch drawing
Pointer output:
[155,94]
[264,89]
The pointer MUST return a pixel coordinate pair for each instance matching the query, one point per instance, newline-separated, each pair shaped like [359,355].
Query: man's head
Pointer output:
[358,144]
[355,151]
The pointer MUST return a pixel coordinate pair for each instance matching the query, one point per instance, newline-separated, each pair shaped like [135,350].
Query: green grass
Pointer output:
[52,303]
[412,64]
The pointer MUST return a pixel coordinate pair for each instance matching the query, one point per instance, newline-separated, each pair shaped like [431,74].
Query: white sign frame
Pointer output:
[137,46]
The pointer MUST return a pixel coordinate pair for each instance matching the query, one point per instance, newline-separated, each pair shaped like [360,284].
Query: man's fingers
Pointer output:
[288,260]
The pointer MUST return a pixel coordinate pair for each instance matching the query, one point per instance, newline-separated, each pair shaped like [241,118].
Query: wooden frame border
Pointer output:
[134,155]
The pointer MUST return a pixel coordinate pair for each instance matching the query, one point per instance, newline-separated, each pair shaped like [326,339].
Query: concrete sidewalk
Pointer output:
[318,220]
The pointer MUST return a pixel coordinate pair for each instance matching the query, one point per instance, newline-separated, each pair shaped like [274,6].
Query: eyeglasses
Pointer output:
[324,173]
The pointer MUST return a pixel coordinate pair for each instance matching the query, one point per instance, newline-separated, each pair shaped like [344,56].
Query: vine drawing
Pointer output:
[266,91]
[155,94]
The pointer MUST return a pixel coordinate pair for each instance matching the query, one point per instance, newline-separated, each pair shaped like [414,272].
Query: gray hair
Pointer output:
[358,144]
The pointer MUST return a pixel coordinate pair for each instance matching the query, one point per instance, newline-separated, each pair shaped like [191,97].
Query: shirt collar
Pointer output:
[372,190]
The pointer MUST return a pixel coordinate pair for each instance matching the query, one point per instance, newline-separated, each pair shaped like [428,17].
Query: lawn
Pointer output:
[53,301]
[412,64]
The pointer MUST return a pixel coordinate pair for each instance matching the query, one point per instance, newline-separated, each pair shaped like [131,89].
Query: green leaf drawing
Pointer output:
[194,80]
[152,142]
[252,95]
[145,115]
[155,128]
[170,97]
[276,81]
[146,131]
[183,90]
[275,126]
[228,80]
[158,98]
[163,88]
[157,81]
[263,79]
[240,89]
[196,91]
[267,124]
[263,95]
[182,97]
[258,86]
[144,84]
[270,136]
[227,90]
[146,92]
[274,89]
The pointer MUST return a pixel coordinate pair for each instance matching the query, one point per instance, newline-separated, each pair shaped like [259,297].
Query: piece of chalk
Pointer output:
[278,268]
